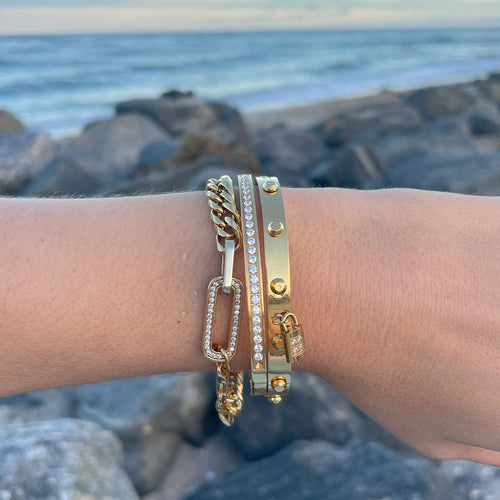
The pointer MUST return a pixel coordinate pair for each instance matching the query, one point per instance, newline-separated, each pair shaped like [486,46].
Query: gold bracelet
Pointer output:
[254,290]
[225,216]
[285,334]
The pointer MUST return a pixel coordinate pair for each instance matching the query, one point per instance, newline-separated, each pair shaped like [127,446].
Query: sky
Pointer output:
[110,16]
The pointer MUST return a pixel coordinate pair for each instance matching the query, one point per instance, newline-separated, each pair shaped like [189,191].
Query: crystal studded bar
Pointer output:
[253,275]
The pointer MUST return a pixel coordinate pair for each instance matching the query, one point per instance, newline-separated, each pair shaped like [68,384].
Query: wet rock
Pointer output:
[63,177]
[110,149]
[312,410]
[435,102]
[40,405]
[9,122]
[150,415]
[378,120]
[309,470]
[288,153]
[177,94]
[64,458]
[22,156]
[188,115]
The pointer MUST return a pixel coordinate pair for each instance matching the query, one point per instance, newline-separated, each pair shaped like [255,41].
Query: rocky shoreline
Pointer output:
[95,442]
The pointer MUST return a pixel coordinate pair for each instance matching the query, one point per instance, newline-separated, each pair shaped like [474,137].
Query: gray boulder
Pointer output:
[40,405]
[188,115]
[473,173]
[448,137]
[61,459]
[157,156]
[151,415]
[109,150]
[378,119]
[312,410]
[288,153]
[63,177]
[311,470]
[9,123]
[484,120]
[22,156]
[462,479]
[435,102]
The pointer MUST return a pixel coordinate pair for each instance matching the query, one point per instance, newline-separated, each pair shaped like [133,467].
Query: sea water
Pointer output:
[59,83]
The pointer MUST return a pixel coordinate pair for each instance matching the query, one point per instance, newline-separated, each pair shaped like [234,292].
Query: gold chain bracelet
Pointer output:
[227,221]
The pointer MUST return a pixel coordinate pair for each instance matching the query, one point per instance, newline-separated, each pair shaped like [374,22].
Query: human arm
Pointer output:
[396,289]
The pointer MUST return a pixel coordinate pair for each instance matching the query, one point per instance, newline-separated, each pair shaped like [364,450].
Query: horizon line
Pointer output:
[259,30]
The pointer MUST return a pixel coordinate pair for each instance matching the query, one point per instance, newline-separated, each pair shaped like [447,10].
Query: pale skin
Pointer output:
[397,290]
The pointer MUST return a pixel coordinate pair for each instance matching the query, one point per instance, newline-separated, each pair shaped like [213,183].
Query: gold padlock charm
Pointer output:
[293,334]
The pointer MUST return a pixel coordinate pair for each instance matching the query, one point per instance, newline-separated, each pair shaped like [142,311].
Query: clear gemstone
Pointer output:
[257,339]
[256,309]
[252,259]
[248,216]
[254,288]
[256,319]
[258,356]
[236,284]
[255,299]
[237,307]
[235,328]
[254,279]
[257,329]
[248,209]
[247,203]
[237,296]
[250,232]
[251,250]
[233,343]
[252,269]
[211,294]
[209,316]
[249,223]
[251,241]
[247,197]
[257,348]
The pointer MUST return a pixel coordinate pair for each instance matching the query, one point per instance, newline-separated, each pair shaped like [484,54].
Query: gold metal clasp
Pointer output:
[293,335]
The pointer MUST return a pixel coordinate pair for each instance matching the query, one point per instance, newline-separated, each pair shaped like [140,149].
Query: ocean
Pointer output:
[59,83]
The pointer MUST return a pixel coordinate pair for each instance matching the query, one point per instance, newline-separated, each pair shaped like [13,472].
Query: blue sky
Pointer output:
[78,16]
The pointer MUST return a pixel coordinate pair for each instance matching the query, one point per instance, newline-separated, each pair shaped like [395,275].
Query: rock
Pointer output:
[448,137]
[22,156]
[378,120]
[110,149]
[435,102]
[288,153]
[63,177]
[467,480]
[312,410]
[188,115]
[192,466]
[484,120]
[321,470]
[64,458]
[40,405]
[473,173]
[9,123]
[355,167]
[151,423]
[157,155]
[177,94]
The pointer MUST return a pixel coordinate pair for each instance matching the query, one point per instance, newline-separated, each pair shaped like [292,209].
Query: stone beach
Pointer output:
[166,443]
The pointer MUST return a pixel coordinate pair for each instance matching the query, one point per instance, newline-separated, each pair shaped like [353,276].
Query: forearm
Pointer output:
[98,289]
